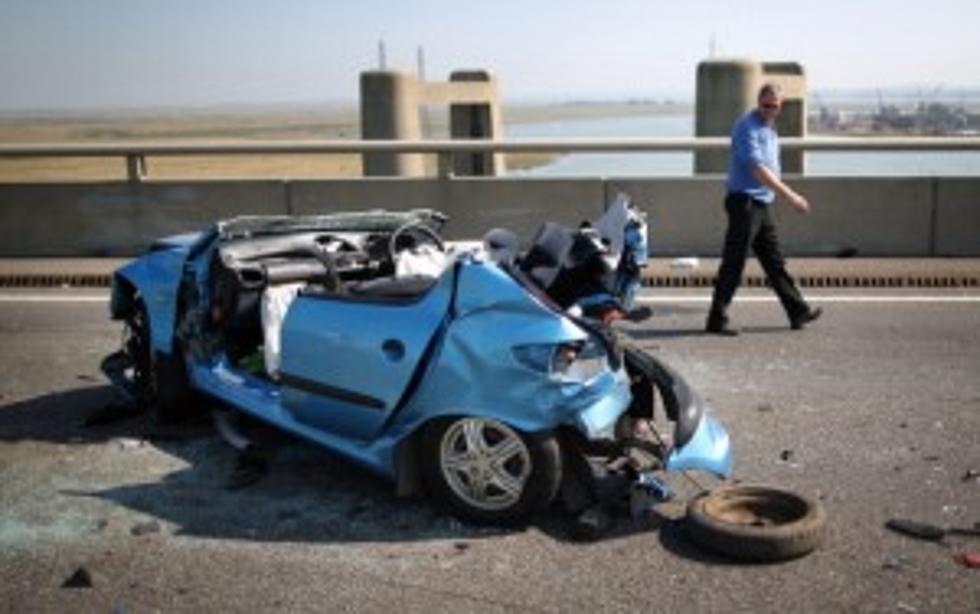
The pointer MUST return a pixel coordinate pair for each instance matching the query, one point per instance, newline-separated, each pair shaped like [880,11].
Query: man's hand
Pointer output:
[799,203]
[767,177]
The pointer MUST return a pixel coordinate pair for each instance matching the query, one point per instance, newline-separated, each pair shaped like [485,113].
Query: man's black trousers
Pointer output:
[750,224]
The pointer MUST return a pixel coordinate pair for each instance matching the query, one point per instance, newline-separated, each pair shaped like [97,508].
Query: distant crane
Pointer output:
[826,119]
[890,117]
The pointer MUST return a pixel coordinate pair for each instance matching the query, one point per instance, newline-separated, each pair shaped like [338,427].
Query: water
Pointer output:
[680,164]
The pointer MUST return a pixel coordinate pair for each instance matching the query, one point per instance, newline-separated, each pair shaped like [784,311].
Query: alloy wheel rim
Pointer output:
[485,463]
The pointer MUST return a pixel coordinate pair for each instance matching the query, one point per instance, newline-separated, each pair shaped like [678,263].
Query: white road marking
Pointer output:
[817,298]
[52,298]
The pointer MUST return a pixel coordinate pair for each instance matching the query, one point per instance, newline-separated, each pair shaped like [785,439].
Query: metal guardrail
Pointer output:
[137,152]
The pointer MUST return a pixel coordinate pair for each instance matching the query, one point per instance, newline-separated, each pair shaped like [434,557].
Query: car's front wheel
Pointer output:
[160,380]
[487,472]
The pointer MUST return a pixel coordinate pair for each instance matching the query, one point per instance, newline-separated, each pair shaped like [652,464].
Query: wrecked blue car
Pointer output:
[483,376]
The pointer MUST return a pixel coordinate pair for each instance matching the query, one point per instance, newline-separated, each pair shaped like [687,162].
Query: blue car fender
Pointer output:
[155,279]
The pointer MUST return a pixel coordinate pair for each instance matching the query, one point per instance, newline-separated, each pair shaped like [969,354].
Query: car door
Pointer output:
[347,362]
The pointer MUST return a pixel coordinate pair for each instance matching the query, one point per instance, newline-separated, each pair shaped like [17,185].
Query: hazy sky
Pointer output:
[138,53]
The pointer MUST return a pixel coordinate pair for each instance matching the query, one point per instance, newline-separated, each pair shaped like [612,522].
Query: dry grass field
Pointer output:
[239,126]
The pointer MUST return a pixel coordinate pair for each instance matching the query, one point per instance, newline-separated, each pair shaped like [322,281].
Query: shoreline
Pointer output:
[252,125]
[266,125]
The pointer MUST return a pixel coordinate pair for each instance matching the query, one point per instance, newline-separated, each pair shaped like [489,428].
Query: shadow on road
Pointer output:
[308,495]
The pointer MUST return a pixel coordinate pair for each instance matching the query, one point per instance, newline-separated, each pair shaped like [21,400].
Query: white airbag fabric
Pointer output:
[275,303]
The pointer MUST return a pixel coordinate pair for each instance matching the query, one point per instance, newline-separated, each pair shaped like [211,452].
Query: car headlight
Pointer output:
[579,361]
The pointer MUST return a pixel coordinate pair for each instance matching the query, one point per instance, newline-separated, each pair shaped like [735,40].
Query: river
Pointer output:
[679,164]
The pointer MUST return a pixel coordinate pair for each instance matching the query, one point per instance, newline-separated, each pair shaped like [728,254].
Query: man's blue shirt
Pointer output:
[753,143]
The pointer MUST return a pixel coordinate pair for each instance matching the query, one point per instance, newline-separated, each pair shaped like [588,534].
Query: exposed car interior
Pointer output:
[255,274]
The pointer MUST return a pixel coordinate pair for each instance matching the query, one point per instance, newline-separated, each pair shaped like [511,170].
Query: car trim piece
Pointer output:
[321,389]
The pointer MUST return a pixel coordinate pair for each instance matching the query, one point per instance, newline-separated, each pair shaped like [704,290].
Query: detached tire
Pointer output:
[486,472]
[756,523]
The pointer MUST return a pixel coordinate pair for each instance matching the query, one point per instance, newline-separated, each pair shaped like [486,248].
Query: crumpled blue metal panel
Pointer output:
[709,450]
[156,277]
[476,372]
[598,420]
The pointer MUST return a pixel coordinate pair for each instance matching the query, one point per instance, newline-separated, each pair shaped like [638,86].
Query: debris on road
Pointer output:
[80,579]
[646,493]
[129,443]
[929,532]
[893,564]
[145,528]
[972,475]
[970,560]
[918,530]
[591,524]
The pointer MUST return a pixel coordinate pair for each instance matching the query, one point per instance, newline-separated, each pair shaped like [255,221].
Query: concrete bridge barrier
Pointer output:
[474,205]
[879,216]
[957,217]
[121,218]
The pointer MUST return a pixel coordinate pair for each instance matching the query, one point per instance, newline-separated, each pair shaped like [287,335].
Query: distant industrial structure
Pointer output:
[926,116]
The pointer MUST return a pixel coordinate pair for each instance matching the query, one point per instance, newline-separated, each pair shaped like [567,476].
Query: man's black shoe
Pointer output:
[721,327]
[805,318]
[639,314]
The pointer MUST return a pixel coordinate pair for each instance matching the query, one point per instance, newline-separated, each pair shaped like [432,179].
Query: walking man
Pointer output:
[752,185]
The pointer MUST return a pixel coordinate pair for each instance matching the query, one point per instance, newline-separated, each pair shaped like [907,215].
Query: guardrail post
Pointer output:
[135,167]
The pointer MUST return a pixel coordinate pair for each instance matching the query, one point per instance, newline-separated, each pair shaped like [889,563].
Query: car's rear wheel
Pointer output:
[160,380]
[757,523]
[487,472]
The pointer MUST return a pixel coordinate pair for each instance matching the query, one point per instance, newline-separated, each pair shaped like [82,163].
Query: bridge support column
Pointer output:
[390,111]
[727,89]
[476,120]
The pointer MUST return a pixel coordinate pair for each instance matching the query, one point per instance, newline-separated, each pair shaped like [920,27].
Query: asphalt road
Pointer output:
[875,410]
